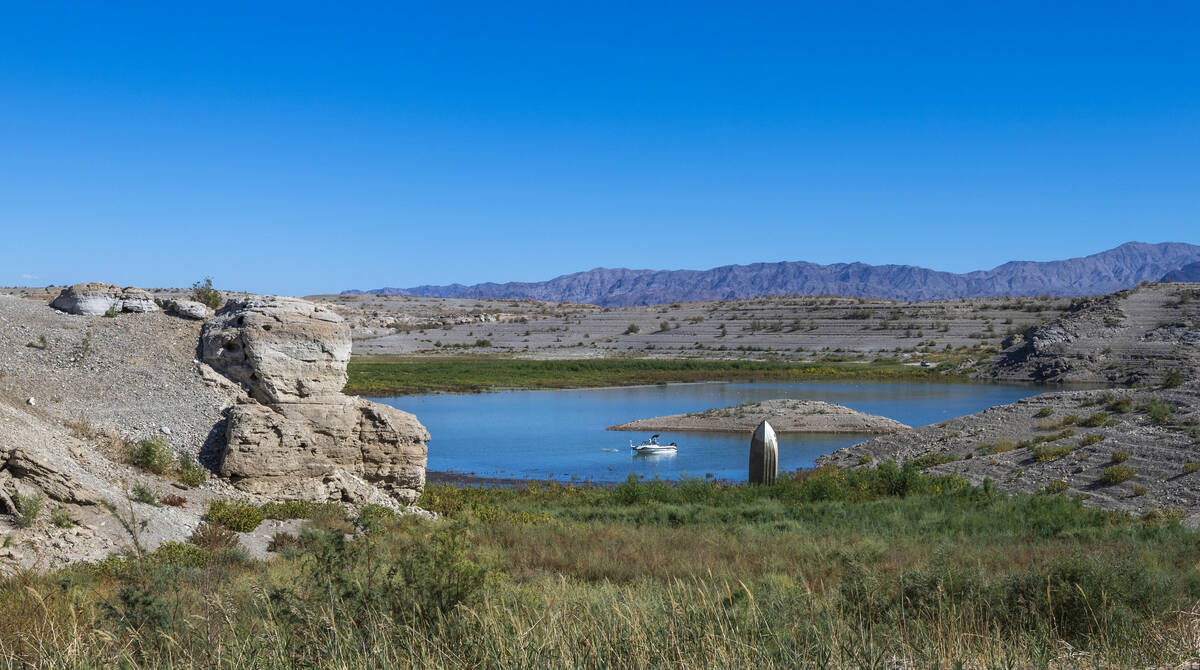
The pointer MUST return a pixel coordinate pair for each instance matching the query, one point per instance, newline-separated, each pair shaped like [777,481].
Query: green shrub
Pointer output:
[633,329]
[29,508]
[865,460]
[1121,406]
[203,292]
[1096,420]
[1089,440]
[1190,468]
[1116,474]
[1139,491]
[374,518]
[1172,379]
[145,496]
[1043,454]
[192,473]
[1043,413]
[288,509]
[1000,447]
[152,455]
[176,554]
[1119,456]
[61,518]
[236,515]
[1159,411]
[1056,486]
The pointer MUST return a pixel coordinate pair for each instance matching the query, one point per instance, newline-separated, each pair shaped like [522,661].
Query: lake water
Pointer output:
[561,434]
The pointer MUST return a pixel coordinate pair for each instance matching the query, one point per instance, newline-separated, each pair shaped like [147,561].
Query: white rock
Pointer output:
[31,402]
[165,430]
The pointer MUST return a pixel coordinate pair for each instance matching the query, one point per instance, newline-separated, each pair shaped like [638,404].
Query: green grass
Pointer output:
[827,568]
[389,375]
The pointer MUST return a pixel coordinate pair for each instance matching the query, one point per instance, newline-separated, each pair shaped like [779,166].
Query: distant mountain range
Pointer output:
[1107,271]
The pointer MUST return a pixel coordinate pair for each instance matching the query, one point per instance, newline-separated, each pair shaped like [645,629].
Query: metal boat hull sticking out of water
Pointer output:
[651,446]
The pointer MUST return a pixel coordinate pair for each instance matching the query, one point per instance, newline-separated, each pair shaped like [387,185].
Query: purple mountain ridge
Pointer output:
[1104,272]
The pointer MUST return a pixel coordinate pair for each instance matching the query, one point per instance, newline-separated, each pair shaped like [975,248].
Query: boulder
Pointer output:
[134,299]
[188,309]
[295,435]
[95,299]
[279,349]
[90,299]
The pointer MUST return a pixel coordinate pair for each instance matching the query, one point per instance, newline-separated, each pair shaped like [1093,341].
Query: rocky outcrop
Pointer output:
[188,309]
[94,299]
[1064,442]
[785,416]
[297,436]
[1131,337]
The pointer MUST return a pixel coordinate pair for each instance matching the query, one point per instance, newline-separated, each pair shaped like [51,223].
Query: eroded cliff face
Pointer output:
[295,435]
[1139,336]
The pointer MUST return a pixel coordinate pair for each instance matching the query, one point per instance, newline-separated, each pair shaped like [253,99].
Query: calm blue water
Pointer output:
[561,434]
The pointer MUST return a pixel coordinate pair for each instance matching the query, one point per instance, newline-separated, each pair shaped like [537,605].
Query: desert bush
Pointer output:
[633,329]
[29,508]
[191,473]
[1189,468]
[203,292]
[1119,456]
[211,536]
[176,554]
[1096,420]
[1056,486]
[1116,474]
[1089,440]
[1000,447]
[1049,453]
[288,509]
[1139,491]
[173,500]
[281,542]
[1121,406]
[61,517]
[145,496]
[1158,411]
[1043,413]
[1172,379]
[152,455]
[236,515]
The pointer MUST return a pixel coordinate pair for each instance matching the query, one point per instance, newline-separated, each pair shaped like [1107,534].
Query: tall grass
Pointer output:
[826,569]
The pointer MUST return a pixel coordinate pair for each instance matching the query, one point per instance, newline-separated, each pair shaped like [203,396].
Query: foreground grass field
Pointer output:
[392,375]
[826,569]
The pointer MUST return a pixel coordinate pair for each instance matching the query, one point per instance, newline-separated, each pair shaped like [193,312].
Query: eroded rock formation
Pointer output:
[95,298]
[297,436]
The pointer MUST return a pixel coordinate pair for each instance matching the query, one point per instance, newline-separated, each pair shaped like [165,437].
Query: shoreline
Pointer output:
[388,377]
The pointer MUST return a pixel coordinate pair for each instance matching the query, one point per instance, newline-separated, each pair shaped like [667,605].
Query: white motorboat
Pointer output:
[651,446]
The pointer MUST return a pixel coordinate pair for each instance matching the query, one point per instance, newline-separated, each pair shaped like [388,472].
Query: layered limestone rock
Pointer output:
[297,436]
[95,298]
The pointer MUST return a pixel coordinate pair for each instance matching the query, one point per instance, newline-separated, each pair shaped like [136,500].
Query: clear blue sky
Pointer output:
[299,148]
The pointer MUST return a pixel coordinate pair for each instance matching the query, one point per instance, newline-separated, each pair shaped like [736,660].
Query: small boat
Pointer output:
[651,446]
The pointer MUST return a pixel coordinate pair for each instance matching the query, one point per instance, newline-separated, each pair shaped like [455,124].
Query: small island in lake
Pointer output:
[786,416]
